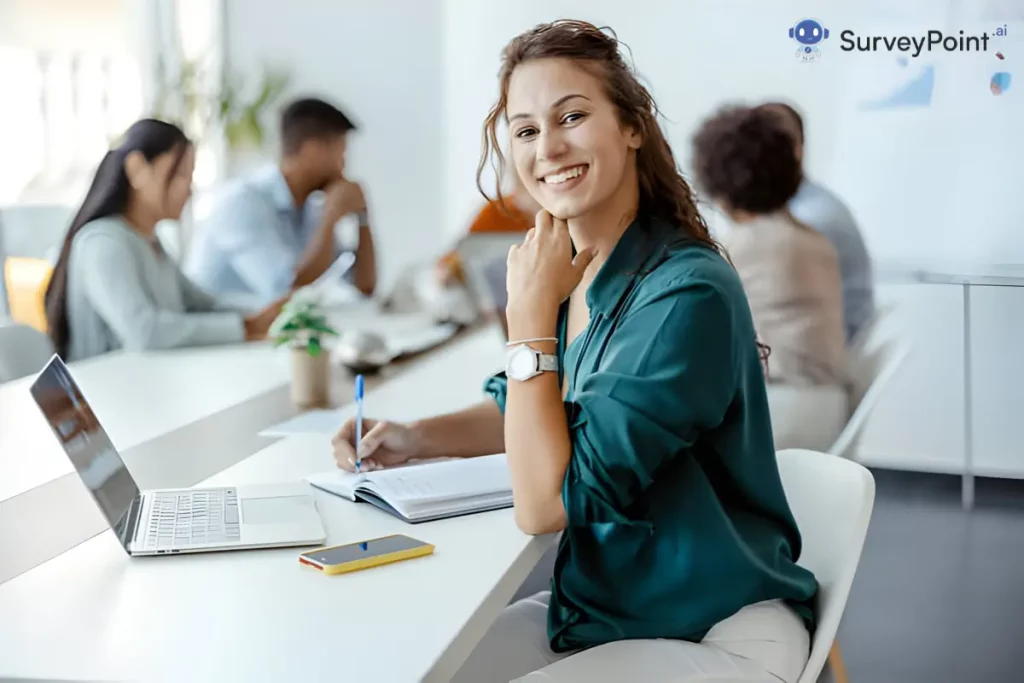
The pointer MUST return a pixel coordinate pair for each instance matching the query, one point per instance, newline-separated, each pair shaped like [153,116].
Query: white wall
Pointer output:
[381,63]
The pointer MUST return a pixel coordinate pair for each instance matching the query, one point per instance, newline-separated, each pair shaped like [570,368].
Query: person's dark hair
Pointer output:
[744,158]
[311,119]
[664,193]
[789,111]
[107,196]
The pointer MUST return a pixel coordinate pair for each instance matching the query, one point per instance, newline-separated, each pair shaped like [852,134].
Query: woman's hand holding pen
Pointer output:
[385,444]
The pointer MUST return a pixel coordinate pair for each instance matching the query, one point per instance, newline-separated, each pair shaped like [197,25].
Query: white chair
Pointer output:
[872,365]
[869,329]
[831,499]
[24,351]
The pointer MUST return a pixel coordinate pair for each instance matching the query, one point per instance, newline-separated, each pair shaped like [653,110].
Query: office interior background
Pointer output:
[927,151]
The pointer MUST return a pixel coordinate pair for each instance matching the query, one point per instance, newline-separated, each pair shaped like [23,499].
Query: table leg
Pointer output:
[967,483]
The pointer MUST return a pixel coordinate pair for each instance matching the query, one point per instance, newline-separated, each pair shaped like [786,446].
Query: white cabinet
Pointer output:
[918,423]
[997,330]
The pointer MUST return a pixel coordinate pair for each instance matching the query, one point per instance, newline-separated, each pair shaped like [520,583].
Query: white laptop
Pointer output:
[170,521]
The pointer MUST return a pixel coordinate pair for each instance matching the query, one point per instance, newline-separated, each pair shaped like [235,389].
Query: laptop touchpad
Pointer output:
[275,510]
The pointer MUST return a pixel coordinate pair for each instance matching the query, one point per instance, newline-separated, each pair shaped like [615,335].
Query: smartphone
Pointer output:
[341,559]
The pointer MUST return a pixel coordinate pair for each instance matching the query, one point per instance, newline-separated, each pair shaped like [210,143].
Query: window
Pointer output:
[71,86]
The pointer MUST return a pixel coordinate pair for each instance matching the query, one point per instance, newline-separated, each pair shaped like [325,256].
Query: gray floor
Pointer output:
[939,595]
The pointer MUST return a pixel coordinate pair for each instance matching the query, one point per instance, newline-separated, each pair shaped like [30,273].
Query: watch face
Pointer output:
[521,363]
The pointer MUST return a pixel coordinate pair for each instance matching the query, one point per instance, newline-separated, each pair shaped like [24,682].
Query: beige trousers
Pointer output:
[762,643]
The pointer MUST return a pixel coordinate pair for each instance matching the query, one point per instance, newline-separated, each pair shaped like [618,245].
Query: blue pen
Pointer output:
[359,418]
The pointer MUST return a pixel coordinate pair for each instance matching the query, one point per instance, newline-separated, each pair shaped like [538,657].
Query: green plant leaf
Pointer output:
[323,328]
[313,346]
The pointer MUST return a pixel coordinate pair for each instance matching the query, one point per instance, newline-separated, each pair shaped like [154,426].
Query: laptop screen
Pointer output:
[86,443]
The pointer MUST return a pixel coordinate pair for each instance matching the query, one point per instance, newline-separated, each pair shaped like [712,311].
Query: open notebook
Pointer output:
[427,491]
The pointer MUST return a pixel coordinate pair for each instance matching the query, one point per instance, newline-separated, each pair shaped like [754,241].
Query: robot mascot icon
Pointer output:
[808,33]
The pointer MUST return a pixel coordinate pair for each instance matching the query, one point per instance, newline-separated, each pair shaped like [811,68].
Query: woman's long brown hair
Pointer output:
[664,192]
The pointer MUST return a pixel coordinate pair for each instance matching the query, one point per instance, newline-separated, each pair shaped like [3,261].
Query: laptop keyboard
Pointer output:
[187,518]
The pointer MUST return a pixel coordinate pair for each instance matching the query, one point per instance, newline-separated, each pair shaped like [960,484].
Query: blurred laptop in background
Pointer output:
[483,257]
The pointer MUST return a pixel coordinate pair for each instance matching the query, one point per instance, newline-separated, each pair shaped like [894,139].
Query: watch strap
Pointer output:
[547,362]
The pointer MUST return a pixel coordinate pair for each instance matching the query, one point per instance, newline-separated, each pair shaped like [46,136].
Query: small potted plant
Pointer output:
[303,325]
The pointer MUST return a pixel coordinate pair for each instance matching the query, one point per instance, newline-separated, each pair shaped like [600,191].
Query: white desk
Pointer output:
[178,418]
[93,613]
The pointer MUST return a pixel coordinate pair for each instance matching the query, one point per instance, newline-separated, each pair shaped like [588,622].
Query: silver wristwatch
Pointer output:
[523,362]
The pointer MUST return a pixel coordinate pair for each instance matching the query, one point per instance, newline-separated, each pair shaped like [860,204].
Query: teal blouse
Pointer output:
[676,516]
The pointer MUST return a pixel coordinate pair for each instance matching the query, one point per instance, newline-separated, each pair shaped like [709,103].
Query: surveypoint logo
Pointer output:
[914,45]
[808,33]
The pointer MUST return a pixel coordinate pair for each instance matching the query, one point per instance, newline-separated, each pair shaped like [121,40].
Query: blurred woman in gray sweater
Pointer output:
[114,286]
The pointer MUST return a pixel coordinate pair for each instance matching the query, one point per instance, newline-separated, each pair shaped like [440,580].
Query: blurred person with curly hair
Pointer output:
[745,162]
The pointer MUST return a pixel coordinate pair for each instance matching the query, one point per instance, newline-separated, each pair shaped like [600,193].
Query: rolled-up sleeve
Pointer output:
[667,375]
[496,387]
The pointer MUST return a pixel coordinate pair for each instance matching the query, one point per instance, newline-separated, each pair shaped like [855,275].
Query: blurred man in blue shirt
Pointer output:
[816,207]
[274,231]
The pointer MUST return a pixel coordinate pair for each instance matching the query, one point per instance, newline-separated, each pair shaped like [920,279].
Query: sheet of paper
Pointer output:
[324,422]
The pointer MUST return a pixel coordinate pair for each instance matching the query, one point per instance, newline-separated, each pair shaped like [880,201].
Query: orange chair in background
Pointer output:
[26,280]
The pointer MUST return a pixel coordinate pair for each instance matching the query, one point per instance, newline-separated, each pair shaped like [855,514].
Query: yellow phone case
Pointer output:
[368,562]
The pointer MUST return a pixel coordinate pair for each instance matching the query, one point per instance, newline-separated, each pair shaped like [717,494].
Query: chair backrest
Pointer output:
[831,499]
[23,351]
[871,368]
[870,328]
[33,229]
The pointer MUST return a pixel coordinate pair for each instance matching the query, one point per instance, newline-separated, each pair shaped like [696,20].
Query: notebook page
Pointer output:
[344,484]
[448,481]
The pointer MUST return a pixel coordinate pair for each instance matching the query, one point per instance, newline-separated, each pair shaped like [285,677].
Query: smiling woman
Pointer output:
[652,434]
[633,407]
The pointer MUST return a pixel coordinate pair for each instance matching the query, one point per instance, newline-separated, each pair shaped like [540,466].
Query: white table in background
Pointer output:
[95,614]
[138,397]
[994,275]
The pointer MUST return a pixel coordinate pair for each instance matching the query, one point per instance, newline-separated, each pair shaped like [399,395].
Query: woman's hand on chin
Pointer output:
[542,272]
